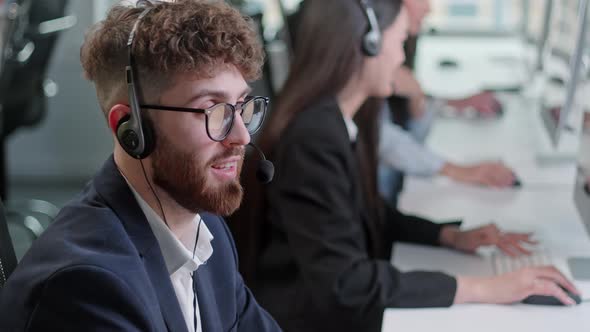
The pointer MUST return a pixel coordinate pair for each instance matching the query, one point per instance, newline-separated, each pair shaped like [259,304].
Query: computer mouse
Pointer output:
[557,80]
[550,300]
[516,183]
[448,63]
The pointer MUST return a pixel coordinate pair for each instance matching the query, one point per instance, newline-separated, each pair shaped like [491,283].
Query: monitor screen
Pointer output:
[537,14]
[582,184]
[562,64]
[536,24]
[564,26]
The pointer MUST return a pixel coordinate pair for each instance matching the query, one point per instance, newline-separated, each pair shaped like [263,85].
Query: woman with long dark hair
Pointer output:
[324,260]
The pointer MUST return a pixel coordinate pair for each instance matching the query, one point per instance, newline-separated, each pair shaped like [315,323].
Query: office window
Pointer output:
[564,28]
[485,16]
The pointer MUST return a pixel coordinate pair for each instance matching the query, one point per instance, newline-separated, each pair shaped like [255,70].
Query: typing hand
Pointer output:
[489,235]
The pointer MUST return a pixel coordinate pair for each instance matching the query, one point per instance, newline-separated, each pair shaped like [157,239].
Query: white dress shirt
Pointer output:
[399,150]
[178,256]
[351,128]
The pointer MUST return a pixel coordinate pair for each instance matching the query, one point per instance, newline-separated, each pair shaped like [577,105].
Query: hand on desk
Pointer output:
[488,235]
[484,104]
[491,174]
[515,286]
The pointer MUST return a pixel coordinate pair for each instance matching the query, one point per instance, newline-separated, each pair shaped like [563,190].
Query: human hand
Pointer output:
[489,235]
[515,286]
[485,103]
[492,174]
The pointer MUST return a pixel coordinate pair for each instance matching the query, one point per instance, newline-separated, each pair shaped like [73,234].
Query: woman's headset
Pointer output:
[372,38]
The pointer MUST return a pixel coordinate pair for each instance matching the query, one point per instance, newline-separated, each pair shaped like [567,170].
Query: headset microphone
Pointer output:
[265,170]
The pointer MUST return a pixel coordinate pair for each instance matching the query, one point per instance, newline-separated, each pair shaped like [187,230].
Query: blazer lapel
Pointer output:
[113,188]
[210,320]
[169,306]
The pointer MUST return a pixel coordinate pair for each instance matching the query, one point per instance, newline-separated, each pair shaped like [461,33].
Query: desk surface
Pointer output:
[483,63]
[489,318]
[544,205]
[517,138]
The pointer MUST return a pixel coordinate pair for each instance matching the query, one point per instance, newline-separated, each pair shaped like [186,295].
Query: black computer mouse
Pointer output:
[516,183]
[557,80]
[448,63]
[550,300]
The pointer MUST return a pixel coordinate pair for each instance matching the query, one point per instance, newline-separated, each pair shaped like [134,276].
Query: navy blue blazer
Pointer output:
[98,267]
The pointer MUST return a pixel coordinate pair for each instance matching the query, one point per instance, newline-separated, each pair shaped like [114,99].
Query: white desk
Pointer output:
[550,214]
[516,138]
[483,63]
[544,206]
[489,318]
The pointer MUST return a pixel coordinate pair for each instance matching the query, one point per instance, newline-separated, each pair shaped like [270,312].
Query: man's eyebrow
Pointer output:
[219,94]
[208,93]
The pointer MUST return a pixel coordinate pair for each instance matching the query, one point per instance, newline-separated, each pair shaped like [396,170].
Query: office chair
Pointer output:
[7,256]
[30,31]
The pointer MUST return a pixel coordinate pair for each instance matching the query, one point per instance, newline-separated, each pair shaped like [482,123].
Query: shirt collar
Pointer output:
[176,254]
[351,128]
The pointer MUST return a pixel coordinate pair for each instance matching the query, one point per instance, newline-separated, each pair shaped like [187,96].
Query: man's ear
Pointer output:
[117,112]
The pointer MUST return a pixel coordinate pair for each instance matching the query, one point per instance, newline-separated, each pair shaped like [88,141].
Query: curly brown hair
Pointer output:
[182,36]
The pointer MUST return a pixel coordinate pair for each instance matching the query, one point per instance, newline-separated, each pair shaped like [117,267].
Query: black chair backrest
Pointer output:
[21,83]
[7,256]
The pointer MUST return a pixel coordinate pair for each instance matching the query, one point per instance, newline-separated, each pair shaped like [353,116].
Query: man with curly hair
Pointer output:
[143,247]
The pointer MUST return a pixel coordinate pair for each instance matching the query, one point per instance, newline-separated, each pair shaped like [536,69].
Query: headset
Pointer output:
[135,135]
[372,38]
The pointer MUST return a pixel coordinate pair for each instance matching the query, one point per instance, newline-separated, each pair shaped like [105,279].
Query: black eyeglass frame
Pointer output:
[134,94]
[207,112]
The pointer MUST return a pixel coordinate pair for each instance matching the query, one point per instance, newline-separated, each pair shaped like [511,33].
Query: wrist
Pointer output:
[471,290]
[449,170]
[453,171]
[448,236]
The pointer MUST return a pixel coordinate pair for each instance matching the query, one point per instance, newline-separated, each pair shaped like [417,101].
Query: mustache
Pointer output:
[231,152]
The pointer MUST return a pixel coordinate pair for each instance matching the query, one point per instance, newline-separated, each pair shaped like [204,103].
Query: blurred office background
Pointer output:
[52,156]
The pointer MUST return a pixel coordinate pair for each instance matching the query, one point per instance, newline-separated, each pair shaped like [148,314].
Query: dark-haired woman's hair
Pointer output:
[327,53]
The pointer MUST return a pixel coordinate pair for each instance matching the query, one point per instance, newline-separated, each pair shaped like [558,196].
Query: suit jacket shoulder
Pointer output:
[99,267]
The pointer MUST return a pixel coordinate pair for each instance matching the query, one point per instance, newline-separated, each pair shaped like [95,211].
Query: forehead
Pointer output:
[227,81]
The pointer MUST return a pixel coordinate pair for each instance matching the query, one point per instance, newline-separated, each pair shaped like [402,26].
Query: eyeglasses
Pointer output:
[219,118]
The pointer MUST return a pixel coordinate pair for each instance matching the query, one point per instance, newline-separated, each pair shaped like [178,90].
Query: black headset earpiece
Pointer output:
[134,134]
[129,138]
[371,43]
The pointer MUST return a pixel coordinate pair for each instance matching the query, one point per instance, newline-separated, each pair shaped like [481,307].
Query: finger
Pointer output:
[552,273]
[517,237]
[485,109]
[500,168]
[521,237]
[486,180]
[549,288]
[504,178]
[497,105]
[515,245]
[496,176]
[507,249]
